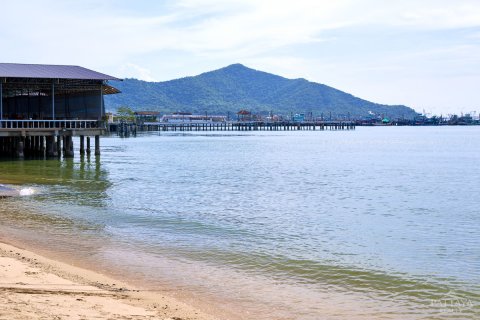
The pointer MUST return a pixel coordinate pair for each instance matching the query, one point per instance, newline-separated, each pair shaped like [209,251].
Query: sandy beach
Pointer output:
[34,287]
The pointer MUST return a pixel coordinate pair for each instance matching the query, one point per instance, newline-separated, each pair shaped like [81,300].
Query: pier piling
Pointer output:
[59,146]
[68,147]
[97,145]
[43,138]
[82,145]
[19,147]
[51,147]
[88,145]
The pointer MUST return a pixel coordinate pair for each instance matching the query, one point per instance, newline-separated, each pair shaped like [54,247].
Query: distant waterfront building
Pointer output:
[244,115]
[191,118]
[299,117]
[146,116]
[110,117]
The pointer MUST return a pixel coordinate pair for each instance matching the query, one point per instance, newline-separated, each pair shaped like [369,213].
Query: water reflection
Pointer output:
[62,215]
[278,225]
[77,181]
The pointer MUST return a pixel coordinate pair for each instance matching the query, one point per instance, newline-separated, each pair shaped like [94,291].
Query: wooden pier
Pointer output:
[48,138]
[127,128]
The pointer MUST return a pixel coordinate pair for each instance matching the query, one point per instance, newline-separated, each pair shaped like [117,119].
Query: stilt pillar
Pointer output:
[68,147]
[82,145]
[19,148]
[59,146]
[88,145]
[41,150]
[55,146]
[97,145]
[51,147]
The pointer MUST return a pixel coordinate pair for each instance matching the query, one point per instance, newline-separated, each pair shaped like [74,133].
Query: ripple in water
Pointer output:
[284,225]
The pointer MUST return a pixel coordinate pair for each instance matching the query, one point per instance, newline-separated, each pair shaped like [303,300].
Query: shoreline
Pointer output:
[35,287]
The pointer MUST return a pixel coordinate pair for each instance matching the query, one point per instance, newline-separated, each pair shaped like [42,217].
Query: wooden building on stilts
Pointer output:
[42,107]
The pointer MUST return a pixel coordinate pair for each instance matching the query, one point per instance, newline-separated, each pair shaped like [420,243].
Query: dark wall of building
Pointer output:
[79,106]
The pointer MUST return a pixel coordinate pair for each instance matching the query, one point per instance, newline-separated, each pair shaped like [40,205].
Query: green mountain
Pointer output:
[237,87]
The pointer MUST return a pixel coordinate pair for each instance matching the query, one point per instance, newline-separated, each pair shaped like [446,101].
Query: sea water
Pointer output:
[379,222]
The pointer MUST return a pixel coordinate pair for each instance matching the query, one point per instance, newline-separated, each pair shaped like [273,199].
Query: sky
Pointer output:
[421,53]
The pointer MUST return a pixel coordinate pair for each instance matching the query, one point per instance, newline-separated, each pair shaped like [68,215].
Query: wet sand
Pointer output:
[34,287]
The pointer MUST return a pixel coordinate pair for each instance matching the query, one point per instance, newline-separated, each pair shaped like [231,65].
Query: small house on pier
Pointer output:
[43,106]
[146,116]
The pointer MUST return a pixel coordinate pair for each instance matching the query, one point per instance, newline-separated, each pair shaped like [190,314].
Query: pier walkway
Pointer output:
[125,128]
[48,137]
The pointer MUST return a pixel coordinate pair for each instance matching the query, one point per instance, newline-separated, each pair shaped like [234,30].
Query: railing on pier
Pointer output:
[51,124]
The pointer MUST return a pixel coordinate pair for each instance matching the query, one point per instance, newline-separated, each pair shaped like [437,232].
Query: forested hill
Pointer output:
[237,87]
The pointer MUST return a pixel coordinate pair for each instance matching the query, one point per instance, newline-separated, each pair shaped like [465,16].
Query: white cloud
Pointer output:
[244,28]
[163,40]
[443,14]
[131,70]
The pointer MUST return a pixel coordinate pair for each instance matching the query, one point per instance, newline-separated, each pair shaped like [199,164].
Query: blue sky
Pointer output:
[421,53]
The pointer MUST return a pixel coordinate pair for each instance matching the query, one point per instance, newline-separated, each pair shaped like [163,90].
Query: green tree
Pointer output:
[125,113]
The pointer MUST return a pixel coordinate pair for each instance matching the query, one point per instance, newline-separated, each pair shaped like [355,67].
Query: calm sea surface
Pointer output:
[380,222]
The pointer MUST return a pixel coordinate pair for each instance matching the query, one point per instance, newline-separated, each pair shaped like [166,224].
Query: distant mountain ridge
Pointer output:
[236,87]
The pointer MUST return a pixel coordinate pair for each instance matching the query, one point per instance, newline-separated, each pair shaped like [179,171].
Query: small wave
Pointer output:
[26,192]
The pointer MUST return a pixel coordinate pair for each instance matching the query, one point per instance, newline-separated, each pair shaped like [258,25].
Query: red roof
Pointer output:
[147,113]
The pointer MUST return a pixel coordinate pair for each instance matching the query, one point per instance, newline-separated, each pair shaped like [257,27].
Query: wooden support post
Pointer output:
[97,145]
[26,146]
[19,148]
[71,146]
[59,146]
[82,145]
[34,145]
[88,145]
[55,146]
[42,146]
[68,147]
[51,147]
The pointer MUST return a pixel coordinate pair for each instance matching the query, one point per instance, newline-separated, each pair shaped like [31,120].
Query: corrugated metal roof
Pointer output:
[45,71]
